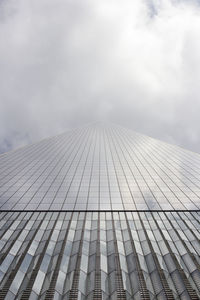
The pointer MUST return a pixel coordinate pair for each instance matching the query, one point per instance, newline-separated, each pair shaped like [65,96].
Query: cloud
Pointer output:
[65,63]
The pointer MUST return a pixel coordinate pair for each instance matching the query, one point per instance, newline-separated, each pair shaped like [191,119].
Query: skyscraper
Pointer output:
[100,212]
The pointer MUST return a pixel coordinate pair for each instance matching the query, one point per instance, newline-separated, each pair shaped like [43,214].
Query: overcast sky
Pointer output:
[65,63]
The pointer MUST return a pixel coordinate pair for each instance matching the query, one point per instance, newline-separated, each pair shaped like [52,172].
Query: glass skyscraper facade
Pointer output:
[97,213]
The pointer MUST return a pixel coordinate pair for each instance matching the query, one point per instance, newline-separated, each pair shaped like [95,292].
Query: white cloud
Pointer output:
[64,63]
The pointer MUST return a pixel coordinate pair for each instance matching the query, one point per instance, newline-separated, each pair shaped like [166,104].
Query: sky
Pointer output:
[67,63]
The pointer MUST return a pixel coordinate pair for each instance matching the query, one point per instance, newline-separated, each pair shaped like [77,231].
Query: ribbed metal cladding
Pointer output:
[99,255]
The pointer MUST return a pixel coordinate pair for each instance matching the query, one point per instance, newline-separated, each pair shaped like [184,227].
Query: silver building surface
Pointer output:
[100,213]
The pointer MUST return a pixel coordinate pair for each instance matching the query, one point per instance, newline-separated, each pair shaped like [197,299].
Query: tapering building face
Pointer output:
[100,168]
[100,213]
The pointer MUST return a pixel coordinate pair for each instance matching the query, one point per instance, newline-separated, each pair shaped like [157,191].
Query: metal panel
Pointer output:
[105,255]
